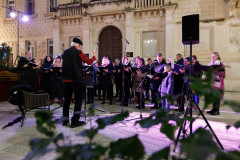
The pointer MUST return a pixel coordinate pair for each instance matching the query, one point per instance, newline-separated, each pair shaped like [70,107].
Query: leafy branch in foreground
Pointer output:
[198,146]
[162,117]
[203,87]
[88,151]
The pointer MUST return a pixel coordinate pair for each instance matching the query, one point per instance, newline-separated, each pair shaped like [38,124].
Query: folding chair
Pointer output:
[33,101]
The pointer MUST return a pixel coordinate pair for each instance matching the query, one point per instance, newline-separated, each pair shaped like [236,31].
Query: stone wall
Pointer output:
[38,29]
[219,32]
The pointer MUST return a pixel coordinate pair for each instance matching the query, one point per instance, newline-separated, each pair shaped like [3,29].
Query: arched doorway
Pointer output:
[110,43]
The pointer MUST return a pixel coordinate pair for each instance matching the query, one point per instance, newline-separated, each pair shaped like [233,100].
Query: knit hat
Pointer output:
[187,58]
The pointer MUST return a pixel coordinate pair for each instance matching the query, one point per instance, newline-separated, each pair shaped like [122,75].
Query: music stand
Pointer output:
[141,99]
[88,68]
[123,70]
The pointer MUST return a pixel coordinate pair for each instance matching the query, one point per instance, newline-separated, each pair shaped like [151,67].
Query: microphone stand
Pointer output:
[126,42]
[123,67]
[62,102]
[141,86]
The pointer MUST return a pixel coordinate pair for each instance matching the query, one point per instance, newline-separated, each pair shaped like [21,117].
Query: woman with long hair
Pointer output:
[45,73]
[138,85]
[56,80]
[218,80]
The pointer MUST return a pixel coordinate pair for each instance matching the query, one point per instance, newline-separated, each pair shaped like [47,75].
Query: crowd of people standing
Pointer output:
[72,72]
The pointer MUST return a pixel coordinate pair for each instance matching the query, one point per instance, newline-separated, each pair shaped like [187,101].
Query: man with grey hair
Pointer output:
[157,70]
[73,80]
[118,76]
[179,59]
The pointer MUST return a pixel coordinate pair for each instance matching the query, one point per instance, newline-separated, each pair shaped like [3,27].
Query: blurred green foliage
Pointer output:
[197,146]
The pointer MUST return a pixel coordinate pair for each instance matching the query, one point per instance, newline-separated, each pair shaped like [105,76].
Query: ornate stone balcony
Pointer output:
[148,3]
[75,8]
[67,10]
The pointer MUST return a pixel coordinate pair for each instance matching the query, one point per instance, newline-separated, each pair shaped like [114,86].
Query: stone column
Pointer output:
[170,31]
[87,36]
[57,38]
[138,44]
[130,33]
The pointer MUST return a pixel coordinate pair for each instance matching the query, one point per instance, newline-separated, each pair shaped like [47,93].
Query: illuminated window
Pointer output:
[149,44]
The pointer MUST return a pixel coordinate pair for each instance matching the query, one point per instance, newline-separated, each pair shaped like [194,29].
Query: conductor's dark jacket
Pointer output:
[72,64]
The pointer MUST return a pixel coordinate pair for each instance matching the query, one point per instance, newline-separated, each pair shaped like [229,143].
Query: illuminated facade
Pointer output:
[150,26]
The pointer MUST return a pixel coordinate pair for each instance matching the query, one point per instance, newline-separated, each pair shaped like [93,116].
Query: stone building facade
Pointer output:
[150,26]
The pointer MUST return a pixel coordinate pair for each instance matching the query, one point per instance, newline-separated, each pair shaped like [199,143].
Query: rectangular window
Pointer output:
[53,5]
[50,47]
[149,44]
[30,46]
[10,5]
[31,7]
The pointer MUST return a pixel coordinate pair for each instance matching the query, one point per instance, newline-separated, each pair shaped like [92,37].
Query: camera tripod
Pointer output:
[182,129]
[190,103]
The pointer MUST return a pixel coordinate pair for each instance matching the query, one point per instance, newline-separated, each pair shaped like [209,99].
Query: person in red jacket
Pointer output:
[72,71]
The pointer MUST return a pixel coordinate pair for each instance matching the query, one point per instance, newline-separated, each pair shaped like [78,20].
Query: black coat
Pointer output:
[45,76]
[72,65]
[26,73]
[56,84]
[118,76]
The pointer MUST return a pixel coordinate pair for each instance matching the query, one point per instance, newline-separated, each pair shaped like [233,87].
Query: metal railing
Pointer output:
[148,3]
[106,1]
[63,2]
[70,10]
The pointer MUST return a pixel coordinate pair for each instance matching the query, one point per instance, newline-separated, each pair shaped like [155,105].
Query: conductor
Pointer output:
[73,80]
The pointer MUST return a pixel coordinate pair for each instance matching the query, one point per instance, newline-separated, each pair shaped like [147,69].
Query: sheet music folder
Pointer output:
[31,64]
[101,68]
[150,76]
[86,68]
[214,67]
[155,75]
[55,69]
[177,68]
[134,69]
[45,69]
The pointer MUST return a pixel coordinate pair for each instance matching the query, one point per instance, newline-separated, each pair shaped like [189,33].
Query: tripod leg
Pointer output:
[23,118]
[61,105]
[191,104]
[179,132]
[209,126]
[85,104]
